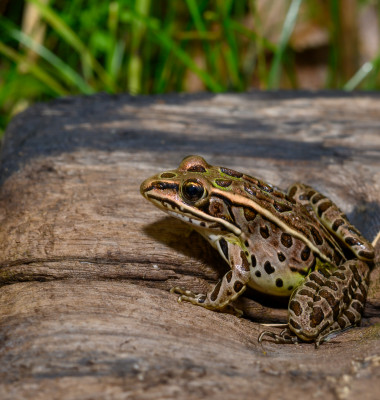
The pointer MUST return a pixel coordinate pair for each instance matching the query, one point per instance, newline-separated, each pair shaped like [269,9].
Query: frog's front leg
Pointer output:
[229,288]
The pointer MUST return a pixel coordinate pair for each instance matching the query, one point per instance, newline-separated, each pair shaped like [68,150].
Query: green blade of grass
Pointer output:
[112,27]
[166,41]
[65,70]
[362,73]
[34,69]
[135,65]
[201,28]
[196,16]
[231,53]
[243,30]
[334,48]
[73,40]
[290,20]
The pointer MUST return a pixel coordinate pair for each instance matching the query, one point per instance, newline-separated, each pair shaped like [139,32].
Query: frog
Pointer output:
[294,244]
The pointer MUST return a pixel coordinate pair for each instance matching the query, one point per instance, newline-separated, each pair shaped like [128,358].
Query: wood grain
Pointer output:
[86,263]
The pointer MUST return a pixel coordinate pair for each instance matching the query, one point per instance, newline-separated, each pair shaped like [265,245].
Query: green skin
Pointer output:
[296,244]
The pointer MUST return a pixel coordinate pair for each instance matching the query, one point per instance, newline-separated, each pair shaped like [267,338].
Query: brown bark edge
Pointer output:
[86,263]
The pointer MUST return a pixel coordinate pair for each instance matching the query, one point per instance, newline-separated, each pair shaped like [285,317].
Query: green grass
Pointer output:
[145,46]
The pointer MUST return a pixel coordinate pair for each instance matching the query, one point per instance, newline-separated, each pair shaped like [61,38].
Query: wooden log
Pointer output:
[86,263]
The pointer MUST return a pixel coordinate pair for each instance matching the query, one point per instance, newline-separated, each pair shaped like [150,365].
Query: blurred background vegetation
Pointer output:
[51,48]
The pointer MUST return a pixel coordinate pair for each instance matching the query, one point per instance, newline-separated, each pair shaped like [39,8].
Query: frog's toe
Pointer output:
[285,337]
[188,295]
[192,298]
[181,291]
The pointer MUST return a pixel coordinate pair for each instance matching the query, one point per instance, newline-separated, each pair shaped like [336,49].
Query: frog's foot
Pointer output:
[188,295]
[284,337]
[202,300]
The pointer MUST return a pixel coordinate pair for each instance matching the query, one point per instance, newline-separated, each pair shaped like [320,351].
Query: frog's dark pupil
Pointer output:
[192,190]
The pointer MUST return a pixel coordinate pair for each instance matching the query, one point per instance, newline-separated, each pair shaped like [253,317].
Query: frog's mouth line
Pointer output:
[187,215]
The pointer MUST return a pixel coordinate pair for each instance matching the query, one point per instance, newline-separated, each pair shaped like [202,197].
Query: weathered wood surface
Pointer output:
[86,263]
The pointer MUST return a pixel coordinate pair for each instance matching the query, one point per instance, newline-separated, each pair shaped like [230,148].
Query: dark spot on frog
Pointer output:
[282,207]
[352,241]
[323,207]
[337,223]
[292,192]
[314,277]
[295,306]
[286,240]
[316,317]
[249,214]
[279,282]
[162,186]
[238,286]
[332,285]
[269,269]
[281,256]
[312,285]
[306,292]
[324,273]
[340,275]
[249,190]
[317,198]
[369,255]
[350,316]
[258,274]
[329,297]
[253,260]
[357,306]
[355,272]
[341,322]
[346,296]
[337,257]
[303,272]
[264,231]
[305,253]
[359,297]
[197,168]
[229,276]
[223,182]
[216,290]
[318,240]
[168,175]
[231,172]
[263,186]
[294,324]
[224,247]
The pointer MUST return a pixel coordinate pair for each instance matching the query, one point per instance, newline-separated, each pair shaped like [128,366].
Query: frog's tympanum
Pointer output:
[296,244]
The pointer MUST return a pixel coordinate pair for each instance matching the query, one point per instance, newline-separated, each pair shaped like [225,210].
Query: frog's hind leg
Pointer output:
[325,303]
[229,288]
[329,302]
[333,218]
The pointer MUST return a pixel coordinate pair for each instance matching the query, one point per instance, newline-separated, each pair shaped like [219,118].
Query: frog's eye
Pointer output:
[192,190]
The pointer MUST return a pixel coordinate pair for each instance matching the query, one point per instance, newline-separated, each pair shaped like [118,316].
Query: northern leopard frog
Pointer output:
[296,244]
